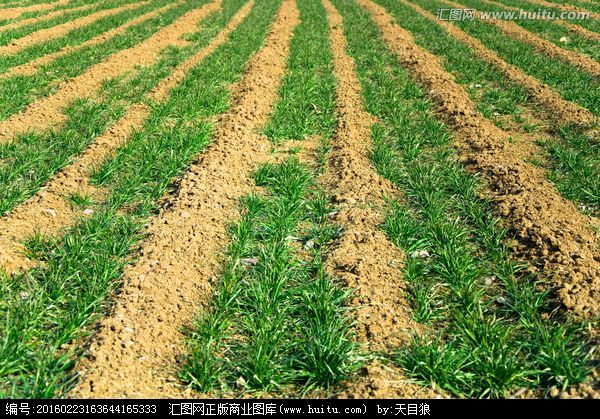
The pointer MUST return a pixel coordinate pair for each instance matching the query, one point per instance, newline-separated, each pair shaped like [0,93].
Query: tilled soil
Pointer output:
[14,12]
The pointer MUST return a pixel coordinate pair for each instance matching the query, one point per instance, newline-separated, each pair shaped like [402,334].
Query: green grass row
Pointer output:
[307,97]
[572,83]
[6,36]
[46,310]
[591,24]
[77,36]
[30,159]
[571,164]
[20,90]
[490,329]
[550,31]
[278,320]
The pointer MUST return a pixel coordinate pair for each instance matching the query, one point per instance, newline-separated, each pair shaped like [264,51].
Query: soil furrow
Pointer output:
[561,110]
[364,258]
[551,234]
[570,26]
[543,46]
[18,11]
[47,112]
[59,30]
[32,66]
[137,346]
[49,211]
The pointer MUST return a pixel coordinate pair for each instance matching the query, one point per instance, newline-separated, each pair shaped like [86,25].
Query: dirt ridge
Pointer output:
[31,67]
[552,235]
[561,110]
[17,45]
[136,348]
[47,112]
[364,258]
[543,46]
[15,12]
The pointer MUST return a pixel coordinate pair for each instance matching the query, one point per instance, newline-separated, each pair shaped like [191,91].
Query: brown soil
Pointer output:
[364,258]
[564,7]
[31,67]
[551,234]
[57,31]
[543,46]
[49,211]
[47,112]
[560,109]
[14,12]
[136,348]
[570,26]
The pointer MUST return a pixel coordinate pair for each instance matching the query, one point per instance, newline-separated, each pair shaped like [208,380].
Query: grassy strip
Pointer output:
[77,36]
[39,13]
[547,30]
[307,101]
[490,329]
[18,91]
[574,164]
[591,24]
[277,319]
[46,311]
[8,35]
[572,83]
[571,162]
[281,320]
[29,160]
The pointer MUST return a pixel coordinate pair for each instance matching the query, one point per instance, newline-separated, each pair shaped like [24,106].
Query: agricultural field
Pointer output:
[298,198]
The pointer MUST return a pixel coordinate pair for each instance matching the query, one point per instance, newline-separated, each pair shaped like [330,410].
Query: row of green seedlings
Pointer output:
[6,36]
[490,329]
[278,322]
[77,36]
[48,313]
[18,91]
[571,82]
[591,24]
[570,154]
[30,159]
[557,34]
